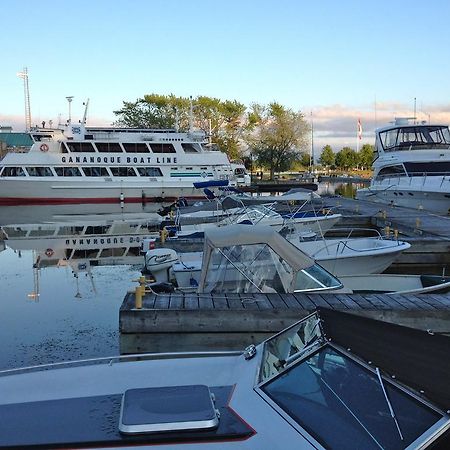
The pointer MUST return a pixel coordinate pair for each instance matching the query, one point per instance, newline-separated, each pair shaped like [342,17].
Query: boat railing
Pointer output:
[110,360]
[414,176]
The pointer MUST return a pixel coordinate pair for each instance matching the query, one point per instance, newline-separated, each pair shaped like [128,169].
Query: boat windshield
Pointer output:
[346,403]
[247,269]
[338,400]
[257,268]
[415,138]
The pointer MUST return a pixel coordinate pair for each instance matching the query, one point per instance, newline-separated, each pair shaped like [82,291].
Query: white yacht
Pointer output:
[411,167]
[76,164]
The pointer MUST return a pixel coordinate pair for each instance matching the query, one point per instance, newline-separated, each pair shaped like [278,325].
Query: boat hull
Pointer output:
[35,192]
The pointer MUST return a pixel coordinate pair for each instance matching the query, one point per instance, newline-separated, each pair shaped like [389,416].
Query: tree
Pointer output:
[346,158]
[224,121]
[327,157]
[276,135]
[366,156]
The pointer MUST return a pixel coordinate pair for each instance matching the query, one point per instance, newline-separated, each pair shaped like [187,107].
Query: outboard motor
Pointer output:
[158,262]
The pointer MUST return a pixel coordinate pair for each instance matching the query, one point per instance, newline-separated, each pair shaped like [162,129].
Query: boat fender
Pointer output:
[44,147]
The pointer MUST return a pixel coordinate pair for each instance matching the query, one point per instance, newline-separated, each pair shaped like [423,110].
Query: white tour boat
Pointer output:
[331,381]
[76,164]
[411,167]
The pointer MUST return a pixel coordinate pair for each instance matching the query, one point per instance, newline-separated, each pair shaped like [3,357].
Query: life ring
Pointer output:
[49,252]
[44,148]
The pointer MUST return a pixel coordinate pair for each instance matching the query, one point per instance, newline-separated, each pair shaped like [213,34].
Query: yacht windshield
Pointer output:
[415,137]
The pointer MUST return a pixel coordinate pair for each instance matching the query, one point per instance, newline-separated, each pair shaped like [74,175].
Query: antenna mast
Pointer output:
[86,105]
[26,89]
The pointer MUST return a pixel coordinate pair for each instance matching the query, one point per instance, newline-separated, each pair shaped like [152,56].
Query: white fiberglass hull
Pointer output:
[395,284]
[430,196]
[356,256]
[28,191]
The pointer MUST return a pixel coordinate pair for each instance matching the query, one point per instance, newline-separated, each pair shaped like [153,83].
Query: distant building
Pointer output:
[13,142]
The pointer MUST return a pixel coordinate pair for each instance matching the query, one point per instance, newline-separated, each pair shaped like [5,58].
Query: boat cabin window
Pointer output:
[95,171]
[346,403]
[386,172]
[83,147]
[136,147]
[39,171]
[123,171]
[112,252]
[68,171]
[239,171]
[428,168]
[42,137]
[415,137]
[189,147]
[108,147]
[149,171]
[162,148]
[13,172]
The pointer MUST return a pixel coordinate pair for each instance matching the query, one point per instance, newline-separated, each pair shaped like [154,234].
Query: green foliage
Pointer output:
[327,157]
[276,136]
[346,158]
[223,120]
[366,156]
[305,159]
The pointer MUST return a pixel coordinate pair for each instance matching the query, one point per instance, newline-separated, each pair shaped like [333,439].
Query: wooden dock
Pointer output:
[408,221]
[192,322]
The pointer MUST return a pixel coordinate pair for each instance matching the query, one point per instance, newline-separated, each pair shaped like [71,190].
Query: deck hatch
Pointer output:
[163,409]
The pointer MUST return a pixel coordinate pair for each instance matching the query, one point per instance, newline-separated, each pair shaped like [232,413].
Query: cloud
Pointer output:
[18,122]
[336,125]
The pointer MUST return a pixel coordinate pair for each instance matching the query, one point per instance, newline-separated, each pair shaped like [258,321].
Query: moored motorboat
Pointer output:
[331,381]
[243,259]
[411,167]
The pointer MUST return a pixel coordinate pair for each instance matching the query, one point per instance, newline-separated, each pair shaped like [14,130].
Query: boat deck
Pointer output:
[192,322]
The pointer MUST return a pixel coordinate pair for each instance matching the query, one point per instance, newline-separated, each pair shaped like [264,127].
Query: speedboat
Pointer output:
[331,381]
[352,255]
[343,256]
[411,167]
[243,259]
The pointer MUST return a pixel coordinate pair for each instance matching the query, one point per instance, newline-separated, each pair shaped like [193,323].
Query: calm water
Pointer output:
[52,312]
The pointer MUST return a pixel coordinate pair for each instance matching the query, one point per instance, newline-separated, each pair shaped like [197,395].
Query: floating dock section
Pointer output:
[193,322]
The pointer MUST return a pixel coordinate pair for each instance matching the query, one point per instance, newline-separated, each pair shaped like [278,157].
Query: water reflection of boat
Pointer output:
[324,382]
[82,243]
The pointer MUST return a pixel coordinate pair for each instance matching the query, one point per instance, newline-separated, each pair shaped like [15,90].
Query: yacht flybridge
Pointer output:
[411,167]
[79,164]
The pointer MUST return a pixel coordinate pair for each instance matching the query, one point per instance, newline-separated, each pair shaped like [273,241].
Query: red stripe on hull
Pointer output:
[12,201]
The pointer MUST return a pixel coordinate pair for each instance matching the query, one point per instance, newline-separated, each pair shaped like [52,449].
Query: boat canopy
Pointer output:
[253,259]
[257,234]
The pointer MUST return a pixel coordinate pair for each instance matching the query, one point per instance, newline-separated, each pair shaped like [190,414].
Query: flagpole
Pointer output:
[357,136]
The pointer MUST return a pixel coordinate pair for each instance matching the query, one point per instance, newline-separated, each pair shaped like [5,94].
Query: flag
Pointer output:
[359,129]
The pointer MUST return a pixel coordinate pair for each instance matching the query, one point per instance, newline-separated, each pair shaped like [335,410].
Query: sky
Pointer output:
[336,61]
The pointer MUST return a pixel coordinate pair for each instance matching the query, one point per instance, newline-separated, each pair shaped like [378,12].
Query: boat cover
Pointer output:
[219,237]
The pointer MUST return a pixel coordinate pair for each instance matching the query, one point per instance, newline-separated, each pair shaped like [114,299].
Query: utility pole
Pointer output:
[311,159]
[24,76]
